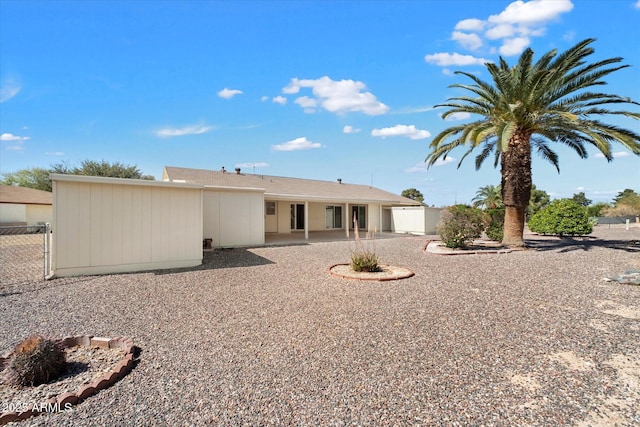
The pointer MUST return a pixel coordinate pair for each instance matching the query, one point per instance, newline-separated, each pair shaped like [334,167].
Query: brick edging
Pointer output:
[108,379]
[354,276]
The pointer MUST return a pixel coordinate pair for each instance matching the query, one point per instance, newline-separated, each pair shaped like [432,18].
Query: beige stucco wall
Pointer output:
[36,214]
[106,225]
[233,218]
[13,212]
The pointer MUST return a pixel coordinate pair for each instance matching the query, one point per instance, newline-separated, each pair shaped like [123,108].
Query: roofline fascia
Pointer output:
[294,197]
[122,181]
[234,189]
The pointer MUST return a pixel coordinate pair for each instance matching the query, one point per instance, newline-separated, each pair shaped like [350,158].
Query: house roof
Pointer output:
[23,195]
[282,188]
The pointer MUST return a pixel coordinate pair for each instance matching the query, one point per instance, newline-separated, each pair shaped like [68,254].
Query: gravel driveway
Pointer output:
[266,336]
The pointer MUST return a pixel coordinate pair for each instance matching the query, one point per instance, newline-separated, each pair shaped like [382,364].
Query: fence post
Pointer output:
[47,250]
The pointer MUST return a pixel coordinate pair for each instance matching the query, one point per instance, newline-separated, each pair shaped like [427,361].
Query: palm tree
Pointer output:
[529,106]
[488,197]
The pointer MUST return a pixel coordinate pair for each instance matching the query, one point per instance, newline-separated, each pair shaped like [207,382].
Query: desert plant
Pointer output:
[35,361]
[562,217]
[459,225]
[494,223]
[364,261]
[364,257]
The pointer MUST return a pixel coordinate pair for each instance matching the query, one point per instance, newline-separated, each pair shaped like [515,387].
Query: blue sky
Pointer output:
[319,90]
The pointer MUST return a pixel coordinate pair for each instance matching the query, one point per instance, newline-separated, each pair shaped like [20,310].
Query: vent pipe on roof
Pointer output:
[238,171]
[339,180]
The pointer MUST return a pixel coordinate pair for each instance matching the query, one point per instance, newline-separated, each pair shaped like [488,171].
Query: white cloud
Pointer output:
[514,46]
[445,59]
[458,116]
[470,25]
[54,153]
[337,96]
[534,12]
[229,93]
[447,72]
[637,5]
[309,104]
[401,130]
[418,167]
[264,98]
[187,130]
[15,148]
[12,137]
[280,100]
[579,188]
[469,41]
[350,129]
[500,31]
[615,155]
[297,144]
[9,88]
[521,20]
[513,28]
[442,162]
[253,165]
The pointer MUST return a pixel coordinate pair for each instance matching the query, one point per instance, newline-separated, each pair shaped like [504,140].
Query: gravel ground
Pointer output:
[267,336]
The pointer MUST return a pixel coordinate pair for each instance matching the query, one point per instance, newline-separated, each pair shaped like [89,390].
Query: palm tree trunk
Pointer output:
[514,226]
[516,186]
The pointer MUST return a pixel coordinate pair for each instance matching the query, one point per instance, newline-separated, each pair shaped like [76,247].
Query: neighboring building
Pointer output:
[240,208]
[24,206]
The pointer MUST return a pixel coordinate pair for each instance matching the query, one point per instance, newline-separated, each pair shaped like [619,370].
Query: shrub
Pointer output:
[562,217]
[35,361]
[364,261]
[459,225]
[494,223]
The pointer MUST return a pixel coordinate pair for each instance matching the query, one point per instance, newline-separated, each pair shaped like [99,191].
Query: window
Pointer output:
[270,208]
[333,217]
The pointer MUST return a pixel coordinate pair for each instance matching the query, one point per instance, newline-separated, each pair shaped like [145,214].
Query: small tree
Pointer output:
[539,199]
[459,225]
[494,223]
[413,194]
[597,209]
[563,217]
[488,197]
[36,178]
[581,199]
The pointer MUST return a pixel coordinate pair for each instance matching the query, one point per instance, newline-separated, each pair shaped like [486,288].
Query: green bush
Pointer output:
[562,217]
[35,361]
[494,223]
[364,261]
[459,225]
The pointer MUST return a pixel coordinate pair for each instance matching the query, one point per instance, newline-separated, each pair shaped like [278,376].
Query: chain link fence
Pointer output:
[24,254]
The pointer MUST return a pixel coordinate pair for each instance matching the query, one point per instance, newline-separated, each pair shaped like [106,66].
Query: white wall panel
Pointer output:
[124,225]
[234,218]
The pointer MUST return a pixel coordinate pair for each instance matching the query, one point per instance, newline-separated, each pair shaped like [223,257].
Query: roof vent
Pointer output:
[339,180]
[238,171]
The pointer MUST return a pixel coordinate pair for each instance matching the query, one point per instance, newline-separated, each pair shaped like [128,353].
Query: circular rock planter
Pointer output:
[386,273]
[63,401]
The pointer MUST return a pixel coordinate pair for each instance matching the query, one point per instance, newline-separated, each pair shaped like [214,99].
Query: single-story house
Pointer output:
[24,206]
[240,208]
[108,225]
